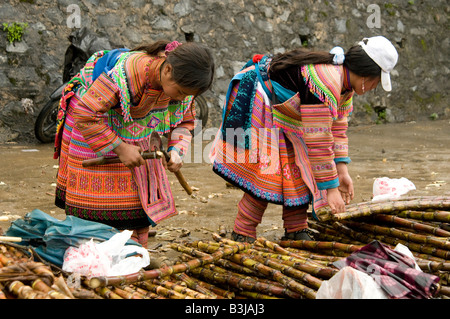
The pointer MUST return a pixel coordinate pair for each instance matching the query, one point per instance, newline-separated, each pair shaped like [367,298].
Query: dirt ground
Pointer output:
[417,151]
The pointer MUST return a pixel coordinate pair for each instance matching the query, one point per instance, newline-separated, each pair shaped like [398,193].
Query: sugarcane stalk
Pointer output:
[303,277]
[165,292]
[368,208]
[362,237]
[212,247]
[322,271]
[2,293]
[43,271]
[247,283]
[256,295]
[178,288]
[412,224]
[107,293]
[139,292]
[428,251]
[279,249]
[81,293]
[61,285]
[127,294]
[393,232]
[23,291]
[275,275]
[441,216]
[41,286]
[103,281]
[340,239]
[319,245]
[204,287]
[444,290]
[430,266]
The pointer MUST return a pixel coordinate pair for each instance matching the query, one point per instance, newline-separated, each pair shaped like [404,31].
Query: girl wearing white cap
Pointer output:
[304,99]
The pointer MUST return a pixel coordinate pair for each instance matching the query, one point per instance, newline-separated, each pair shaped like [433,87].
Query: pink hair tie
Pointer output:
[171,46]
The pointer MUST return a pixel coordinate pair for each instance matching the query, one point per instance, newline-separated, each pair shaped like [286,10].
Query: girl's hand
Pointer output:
[129,155]
[335,201]
[345,183]
[175,162]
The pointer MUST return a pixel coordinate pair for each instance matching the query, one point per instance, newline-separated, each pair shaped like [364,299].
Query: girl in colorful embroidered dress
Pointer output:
[283,136]
[110,109]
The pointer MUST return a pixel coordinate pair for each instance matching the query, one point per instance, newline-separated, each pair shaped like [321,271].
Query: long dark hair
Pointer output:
[193,63]
[356,60]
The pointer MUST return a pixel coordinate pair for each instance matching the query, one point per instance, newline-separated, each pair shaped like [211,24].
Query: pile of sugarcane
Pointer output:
[23,278]
[222,268]
[296,269]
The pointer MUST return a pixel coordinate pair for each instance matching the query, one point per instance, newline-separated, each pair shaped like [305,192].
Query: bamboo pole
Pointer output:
[161,272]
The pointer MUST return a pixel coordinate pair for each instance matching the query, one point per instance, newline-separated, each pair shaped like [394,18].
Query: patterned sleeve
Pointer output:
[318,137]
[339,129]
[90,115]
[180,135]
[340,147]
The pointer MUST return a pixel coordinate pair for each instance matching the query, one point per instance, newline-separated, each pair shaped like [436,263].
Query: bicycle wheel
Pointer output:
[45,125]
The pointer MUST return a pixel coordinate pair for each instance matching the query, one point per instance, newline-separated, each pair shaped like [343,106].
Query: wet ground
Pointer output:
[419,152]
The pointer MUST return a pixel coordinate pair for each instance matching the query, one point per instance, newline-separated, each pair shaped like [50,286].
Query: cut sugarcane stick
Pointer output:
[178,288]
[412,224]
[370,208]
[103,281]
[319,245]
[438,242]
[160,290]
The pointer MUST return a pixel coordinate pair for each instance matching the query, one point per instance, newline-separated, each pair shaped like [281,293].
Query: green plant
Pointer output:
[15,31]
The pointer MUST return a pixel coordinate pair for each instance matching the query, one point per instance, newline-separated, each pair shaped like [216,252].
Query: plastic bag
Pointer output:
[385,188]
[350,283]
[109,258]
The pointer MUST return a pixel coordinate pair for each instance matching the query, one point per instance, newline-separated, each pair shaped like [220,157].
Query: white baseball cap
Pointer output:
[383,53]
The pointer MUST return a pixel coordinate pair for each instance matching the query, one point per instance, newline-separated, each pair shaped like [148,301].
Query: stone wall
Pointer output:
[235,30]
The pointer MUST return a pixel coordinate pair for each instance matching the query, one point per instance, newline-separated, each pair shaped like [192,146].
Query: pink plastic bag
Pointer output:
[385,188]
[109,258]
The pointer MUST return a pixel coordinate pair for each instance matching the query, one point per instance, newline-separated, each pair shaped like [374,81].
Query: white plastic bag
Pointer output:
[108,258]
[350,283]
[385,188]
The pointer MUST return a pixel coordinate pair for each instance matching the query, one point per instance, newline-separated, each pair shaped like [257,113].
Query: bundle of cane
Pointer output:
[273,271]
[420,223]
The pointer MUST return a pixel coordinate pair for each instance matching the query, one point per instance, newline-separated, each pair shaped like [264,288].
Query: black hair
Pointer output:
[356,60]
[192,63]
